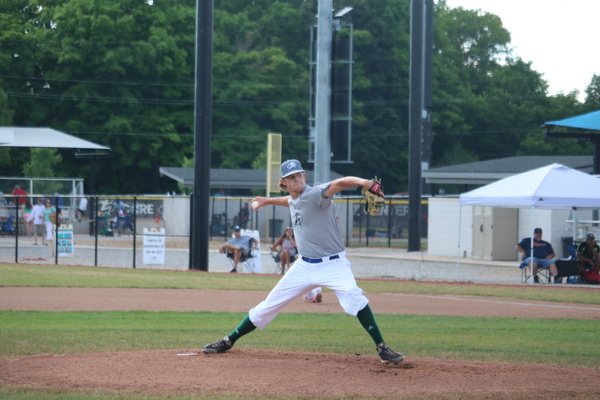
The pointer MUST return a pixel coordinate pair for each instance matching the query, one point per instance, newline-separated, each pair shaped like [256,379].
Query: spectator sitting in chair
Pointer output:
[587,252]
[542,255]
[238,246]
[287,254]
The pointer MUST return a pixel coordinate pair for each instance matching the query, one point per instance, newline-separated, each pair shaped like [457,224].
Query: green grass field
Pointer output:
[561,342]
[21,275]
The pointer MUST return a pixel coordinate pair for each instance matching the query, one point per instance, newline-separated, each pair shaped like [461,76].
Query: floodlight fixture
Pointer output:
[343,12]
[92,154]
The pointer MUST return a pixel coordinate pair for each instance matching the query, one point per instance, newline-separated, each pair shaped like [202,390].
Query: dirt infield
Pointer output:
[270,373]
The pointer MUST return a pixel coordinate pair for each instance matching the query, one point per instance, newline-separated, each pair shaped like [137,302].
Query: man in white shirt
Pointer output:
[81,208]
[37,216]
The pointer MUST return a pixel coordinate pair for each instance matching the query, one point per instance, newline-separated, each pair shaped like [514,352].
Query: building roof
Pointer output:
[228,178]
[484,172]
[43,137]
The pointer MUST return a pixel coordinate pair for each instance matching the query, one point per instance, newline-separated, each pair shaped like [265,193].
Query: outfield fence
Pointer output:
[153,224]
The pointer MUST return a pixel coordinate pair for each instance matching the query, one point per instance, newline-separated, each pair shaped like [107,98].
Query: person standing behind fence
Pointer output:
[81,208]
[37,217]
[244,216]
[58,203]
[27,210]
[50,217]
[118,205]
[19,194]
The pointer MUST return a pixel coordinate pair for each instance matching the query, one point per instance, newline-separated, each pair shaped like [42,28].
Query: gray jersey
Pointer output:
[243,242]
[314,221]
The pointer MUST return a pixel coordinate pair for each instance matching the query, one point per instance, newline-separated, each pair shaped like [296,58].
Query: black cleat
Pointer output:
[388,355]
[220,346]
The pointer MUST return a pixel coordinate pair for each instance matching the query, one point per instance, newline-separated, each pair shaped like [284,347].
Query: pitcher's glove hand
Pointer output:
[373,197]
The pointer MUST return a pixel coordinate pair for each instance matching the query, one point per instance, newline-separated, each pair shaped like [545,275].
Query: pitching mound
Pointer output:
[271,373]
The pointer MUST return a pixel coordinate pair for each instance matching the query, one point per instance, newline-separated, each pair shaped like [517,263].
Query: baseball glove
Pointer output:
[373,197]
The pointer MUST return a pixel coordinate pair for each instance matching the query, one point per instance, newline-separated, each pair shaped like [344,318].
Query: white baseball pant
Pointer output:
[304,276]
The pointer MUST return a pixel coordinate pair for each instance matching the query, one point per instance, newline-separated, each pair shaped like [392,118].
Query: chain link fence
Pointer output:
[154,231]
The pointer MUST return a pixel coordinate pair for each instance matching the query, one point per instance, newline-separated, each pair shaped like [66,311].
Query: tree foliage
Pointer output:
[122,74]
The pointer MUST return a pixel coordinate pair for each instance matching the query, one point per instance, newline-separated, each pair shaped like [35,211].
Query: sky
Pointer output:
[559,37]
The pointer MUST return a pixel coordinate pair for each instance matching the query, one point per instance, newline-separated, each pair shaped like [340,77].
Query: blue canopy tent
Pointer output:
[584,123]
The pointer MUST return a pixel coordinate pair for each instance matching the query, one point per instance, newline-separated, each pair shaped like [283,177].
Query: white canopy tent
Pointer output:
[551,187]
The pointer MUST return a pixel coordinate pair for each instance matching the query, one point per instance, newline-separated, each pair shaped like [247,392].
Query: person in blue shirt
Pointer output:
[543,253]
[117,206]
[57,201]
[238,246]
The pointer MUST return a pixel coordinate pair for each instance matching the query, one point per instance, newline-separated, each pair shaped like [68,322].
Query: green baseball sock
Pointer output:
[245,327]
[367,320]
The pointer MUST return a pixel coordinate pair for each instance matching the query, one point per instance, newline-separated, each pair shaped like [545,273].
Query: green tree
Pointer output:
[43,164]
[5,120]
[592,94]
[123,74]
[258,87]
[380,91]
[536,143]
[19,73]
[18,68]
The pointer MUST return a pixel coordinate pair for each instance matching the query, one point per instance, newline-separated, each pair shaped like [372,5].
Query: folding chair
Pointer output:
[7,227]
[125,224]
[104,225]
[246,260]
[277,258]
[543,273]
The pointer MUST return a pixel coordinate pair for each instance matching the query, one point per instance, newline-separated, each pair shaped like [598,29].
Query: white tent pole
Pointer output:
[458,247]
[574,225]
[531,244]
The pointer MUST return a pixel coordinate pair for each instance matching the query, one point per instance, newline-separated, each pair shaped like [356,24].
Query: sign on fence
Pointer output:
[64,244]
[154,246]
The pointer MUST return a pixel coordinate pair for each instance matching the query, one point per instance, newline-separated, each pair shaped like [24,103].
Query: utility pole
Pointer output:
[427,91]
[323,95]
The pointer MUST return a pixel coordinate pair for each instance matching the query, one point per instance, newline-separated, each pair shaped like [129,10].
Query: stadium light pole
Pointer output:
[427,91]
[323,97]
[202,134]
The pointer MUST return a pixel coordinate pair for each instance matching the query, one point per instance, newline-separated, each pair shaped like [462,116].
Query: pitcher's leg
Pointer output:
[293,284]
